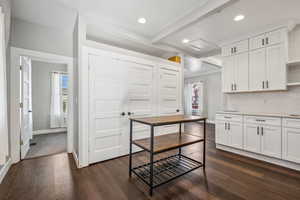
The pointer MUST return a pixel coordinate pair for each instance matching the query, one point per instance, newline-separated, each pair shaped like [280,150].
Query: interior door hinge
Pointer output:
[21,105]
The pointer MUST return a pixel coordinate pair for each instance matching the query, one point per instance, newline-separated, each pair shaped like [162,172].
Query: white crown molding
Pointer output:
[206,10]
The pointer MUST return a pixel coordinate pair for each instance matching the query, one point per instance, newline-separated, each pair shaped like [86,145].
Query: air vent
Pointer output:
[202,45]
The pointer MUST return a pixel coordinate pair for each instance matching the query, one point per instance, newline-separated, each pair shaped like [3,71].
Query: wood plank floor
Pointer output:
[227,176]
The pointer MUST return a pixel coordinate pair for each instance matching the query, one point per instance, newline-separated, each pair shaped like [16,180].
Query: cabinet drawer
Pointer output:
[229,117]
[263,120]
[292,123]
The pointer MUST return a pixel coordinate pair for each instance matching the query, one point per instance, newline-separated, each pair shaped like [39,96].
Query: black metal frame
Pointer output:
[148,179]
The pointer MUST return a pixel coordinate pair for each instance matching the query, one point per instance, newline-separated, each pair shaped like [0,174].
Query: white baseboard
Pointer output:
[4,170]
[76,159]
[47,131]
[275,161]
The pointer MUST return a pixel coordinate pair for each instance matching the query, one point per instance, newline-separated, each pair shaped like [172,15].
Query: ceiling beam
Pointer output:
[208,9]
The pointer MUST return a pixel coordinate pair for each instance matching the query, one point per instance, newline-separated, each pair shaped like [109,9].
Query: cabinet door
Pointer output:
[257,69]
[291,143]
[275,68]
[242,72]
[257,42]
[242,46]
[271,141]
[221,133]
[275,37]
[227,51]
[235,135]
[251,138]
[228,73]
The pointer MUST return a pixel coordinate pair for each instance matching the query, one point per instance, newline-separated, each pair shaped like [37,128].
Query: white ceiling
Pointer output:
[207,23]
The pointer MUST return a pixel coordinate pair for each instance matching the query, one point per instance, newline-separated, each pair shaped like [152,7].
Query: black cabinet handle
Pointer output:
[267,84]
[263,85]
[228,126]
[262,131]
[263,42]
[225,126]
[267,40]
[257,130]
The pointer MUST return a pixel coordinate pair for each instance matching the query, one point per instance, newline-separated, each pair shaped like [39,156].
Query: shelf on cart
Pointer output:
[168,142]
[166,169]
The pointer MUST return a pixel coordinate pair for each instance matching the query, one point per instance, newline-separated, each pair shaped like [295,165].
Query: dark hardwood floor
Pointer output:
[227,176]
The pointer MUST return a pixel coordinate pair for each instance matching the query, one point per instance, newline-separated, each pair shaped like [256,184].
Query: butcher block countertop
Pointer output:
[165,120]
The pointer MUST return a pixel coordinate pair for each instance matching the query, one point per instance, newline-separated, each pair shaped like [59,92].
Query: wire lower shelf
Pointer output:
[166,169]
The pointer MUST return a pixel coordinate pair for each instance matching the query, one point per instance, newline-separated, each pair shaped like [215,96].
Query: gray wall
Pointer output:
[41,38]
[41,92]
[213,97]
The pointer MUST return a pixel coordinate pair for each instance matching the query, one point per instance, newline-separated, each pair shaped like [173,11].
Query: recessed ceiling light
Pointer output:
[239,18]
[142,20]
[185,41]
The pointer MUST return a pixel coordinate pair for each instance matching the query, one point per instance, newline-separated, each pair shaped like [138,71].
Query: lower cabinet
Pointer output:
[263,139]
[229,134]
[291,144]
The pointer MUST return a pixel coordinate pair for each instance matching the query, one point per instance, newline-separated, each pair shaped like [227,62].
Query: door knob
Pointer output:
[29,111]
[177,110]
[123,113]
[130,113]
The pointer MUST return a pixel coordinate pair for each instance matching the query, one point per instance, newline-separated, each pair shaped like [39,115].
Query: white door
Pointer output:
[235,135]
[242,71]
[275,67]
[252,138]
[257,69]
[169,97]
[26,108]
[107,94]
[140,99]
[290,142]
[271,141]
[228,73]
[221,132]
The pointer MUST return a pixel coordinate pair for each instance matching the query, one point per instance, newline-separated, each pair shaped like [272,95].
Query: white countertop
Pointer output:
[281,115]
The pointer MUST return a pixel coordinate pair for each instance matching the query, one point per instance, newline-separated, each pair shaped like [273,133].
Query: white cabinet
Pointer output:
[257,69]
[229,132]
[291,140]
[262,68]
[261,137]
[271,141]
[251,138]
[221,133]
[235,73]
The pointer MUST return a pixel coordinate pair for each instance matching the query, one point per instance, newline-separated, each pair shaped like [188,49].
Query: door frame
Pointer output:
[15,123]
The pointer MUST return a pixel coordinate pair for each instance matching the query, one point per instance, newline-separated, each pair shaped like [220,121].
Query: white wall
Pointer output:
[41,38]
[41,92]
[213,97]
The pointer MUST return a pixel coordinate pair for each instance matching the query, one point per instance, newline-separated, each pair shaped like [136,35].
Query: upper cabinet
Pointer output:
[235,70]
[256,64]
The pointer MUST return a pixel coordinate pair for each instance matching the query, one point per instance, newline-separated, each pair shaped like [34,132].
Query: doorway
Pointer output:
[41,104]
[194,98]
[44,110]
